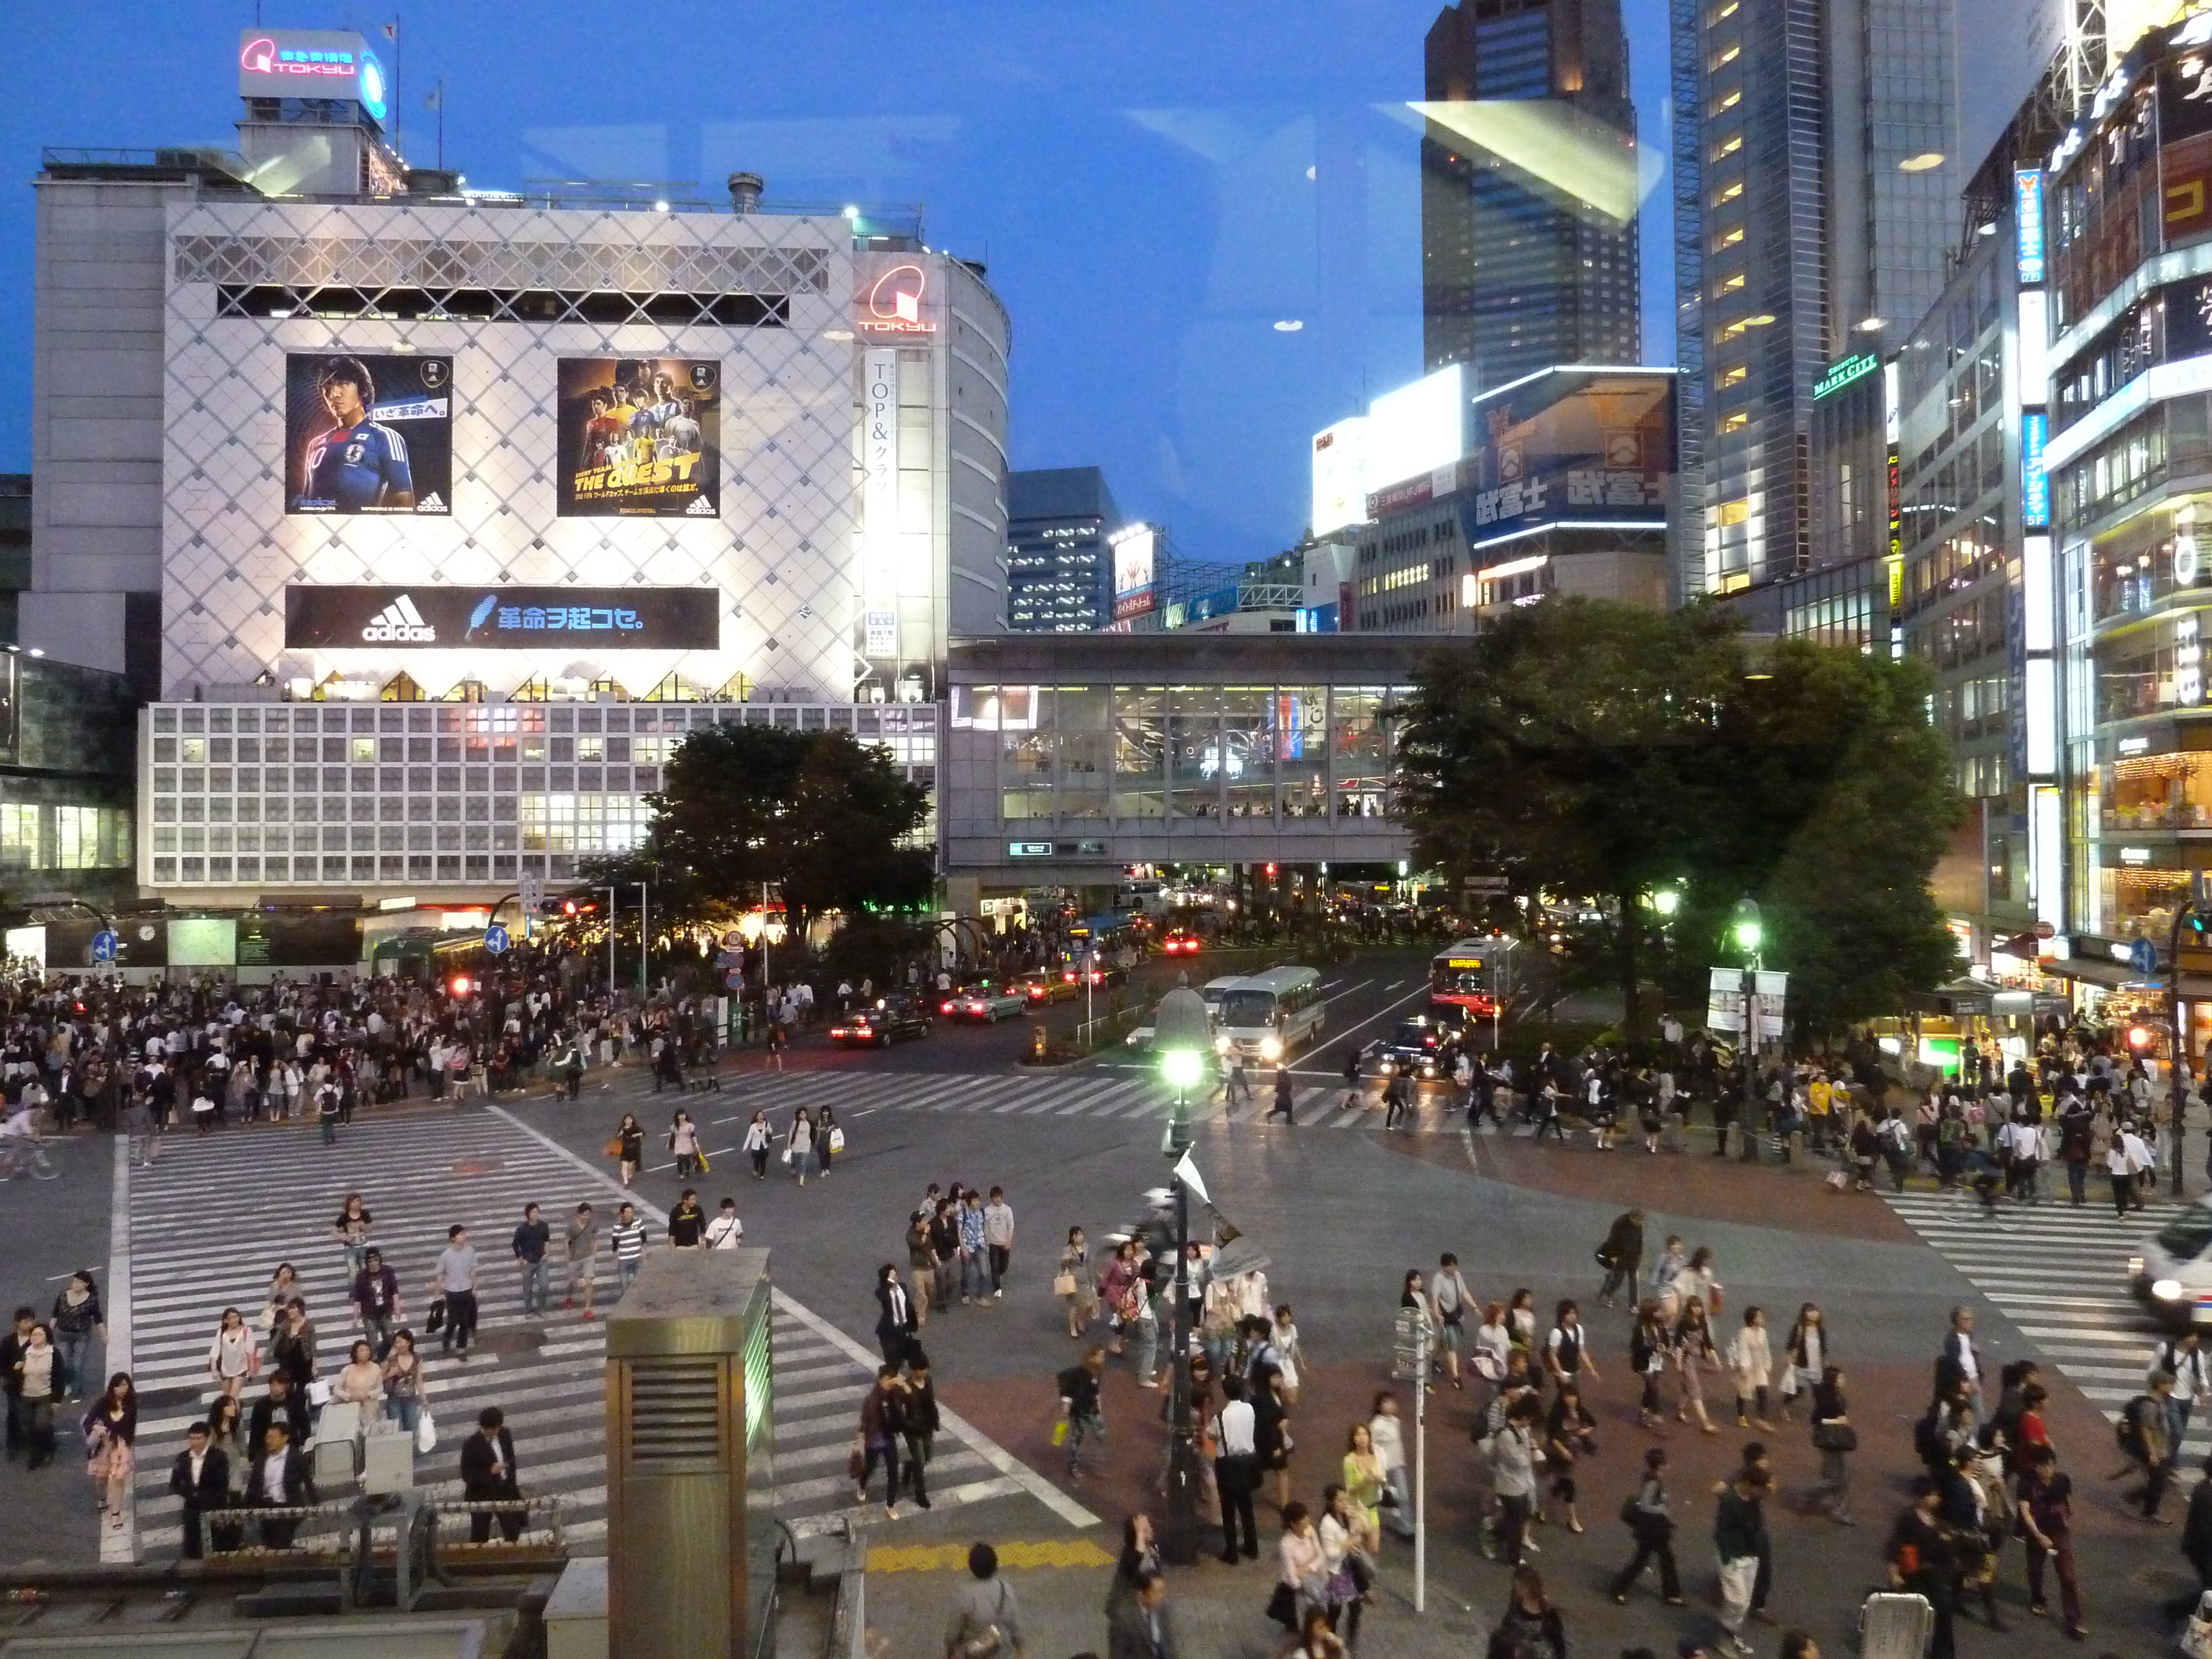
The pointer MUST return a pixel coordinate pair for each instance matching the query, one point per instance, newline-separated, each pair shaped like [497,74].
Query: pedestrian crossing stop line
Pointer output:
[950,1557]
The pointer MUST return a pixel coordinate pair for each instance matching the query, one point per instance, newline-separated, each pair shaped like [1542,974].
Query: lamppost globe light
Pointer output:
[1748,934]
[1667,901]
[1182,1068]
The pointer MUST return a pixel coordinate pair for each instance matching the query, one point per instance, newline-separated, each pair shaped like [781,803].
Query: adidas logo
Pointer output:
[701,508]
[399,623]
[433,503]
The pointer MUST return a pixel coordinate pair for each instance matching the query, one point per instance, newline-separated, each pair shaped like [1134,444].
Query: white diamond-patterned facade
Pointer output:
[481,669]
[805,589]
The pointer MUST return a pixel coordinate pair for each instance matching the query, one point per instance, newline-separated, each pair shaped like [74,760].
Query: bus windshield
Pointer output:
[1248,1008]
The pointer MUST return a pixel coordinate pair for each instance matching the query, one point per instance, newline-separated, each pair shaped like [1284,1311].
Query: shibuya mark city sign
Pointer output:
[502,618]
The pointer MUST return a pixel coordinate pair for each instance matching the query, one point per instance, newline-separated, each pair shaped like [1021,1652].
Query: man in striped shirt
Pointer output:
[627,1239]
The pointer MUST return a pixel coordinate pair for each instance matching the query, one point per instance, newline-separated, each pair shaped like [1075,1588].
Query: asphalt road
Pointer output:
[1362,994]
[1342,1210]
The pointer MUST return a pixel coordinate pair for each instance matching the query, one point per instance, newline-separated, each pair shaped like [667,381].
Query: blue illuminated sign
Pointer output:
[2034,482]
[2028,221]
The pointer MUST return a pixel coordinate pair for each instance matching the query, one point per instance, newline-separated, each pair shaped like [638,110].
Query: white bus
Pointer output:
[1267,1016]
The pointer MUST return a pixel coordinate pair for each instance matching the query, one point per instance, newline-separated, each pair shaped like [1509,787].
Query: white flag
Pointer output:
[1187,1173]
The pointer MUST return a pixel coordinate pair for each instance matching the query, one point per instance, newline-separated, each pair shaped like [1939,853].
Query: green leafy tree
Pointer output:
[1592,751]
[823,819]
[1568,748]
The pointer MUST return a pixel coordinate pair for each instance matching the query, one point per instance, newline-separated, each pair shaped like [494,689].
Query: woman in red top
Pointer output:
[2030,1432]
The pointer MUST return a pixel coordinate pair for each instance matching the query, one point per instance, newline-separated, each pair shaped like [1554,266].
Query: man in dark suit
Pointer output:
[279,1480]
[281,1404]
[488,1475]
[201,1476]
[1140,1628]
[896,1317]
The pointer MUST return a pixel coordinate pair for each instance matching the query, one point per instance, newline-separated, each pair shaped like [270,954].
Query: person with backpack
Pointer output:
[2144,1433]
[1651,1524]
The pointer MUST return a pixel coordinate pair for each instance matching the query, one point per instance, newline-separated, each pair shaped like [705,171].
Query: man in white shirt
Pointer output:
[1448,1299]
[2126,1162]
[1236,1470]
[726,1231]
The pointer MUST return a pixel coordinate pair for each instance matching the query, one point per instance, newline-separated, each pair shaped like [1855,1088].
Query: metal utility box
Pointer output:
[691,1464]
[388,1464]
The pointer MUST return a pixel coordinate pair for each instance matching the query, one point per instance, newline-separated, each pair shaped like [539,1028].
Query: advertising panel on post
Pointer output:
[502,618]
[367,432]
[639,437]
[1136,555]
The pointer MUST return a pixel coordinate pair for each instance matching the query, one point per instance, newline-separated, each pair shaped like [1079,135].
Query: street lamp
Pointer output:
[1667,901]
[1748,931]
[1182,1032]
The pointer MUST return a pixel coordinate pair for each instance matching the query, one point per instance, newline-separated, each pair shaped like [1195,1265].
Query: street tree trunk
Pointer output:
[1630,961]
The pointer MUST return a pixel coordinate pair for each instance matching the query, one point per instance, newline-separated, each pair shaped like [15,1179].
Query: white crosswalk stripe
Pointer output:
[1119,1094]
[2059,1274]
[211,1219]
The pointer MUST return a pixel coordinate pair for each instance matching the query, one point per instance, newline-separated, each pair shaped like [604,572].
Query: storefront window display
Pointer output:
[2159,792]
[2140,903]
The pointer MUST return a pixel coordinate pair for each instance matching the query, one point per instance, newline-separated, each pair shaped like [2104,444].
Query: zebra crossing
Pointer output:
[211,1220]
[1131,1095]
[2060,1274]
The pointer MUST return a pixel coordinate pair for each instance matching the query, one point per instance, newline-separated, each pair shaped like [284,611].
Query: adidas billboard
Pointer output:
[399,623]
[502,617]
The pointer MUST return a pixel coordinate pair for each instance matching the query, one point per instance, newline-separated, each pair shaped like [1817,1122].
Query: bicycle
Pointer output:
[30,1158]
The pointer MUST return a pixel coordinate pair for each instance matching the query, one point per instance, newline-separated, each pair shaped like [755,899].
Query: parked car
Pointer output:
[890,1020]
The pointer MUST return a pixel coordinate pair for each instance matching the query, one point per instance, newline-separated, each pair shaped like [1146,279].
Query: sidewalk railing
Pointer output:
[340,1529]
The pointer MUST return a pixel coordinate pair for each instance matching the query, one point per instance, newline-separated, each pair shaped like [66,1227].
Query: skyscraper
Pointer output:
[1528,195]
[1060,570]
[1824,135]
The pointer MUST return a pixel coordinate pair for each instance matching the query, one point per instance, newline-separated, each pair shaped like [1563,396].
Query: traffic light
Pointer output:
[2138,1036]
[1271,872]
[460,985]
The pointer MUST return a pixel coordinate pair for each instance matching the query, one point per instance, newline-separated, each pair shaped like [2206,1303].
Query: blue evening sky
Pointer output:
[1153,186]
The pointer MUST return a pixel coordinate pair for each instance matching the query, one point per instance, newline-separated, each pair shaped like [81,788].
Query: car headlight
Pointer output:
[2166,1290]
[1221,1045]
[2135,1267]
[1270,1049]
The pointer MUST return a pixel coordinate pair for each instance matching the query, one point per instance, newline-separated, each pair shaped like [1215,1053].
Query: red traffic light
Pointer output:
[460,985]
[2138,1036]
[1271,872]
[568,907]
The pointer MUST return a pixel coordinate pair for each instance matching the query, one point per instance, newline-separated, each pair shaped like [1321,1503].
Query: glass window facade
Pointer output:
[408,795]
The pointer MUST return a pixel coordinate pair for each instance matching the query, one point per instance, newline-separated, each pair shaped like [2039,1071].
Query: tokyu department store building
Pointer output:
[432,521]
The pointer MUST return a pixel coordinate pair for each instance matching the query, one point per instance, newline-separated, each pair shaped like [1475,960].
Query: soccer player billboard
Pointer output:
[639,436]
[369,433]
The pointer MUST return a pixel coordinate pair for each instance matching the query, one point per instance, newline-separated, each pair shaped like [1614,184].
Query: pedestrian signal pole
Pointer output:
[1409,1361]
[1182,1032]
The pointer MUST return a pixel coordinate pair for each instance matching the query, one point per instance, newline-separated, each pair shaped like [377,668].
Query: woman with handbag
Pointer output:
[1349,1571]
[683,1141]
[1694,1355]
[1835,1439]
[627,1148]
[111,1434]
[1302,1578]
[799,1144]
[757,1136]
[234,1354]
[1070,1283]
[829,1139]
[406,1400]
[1365,1485]
[1804,1356]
